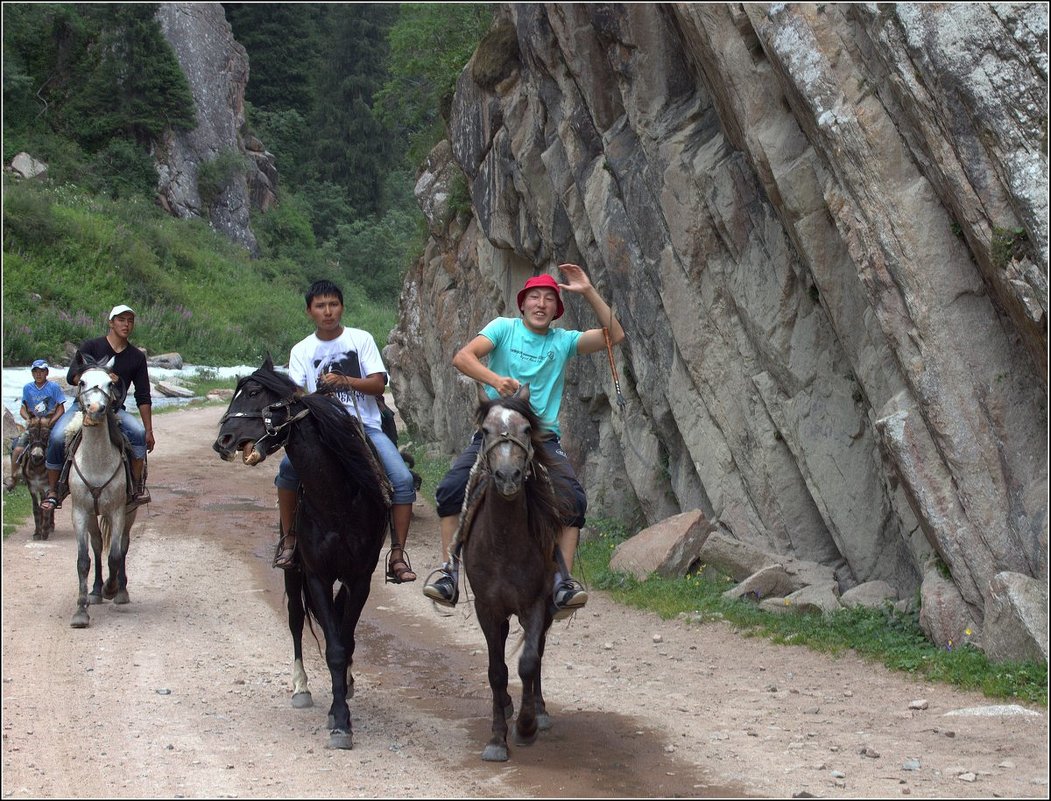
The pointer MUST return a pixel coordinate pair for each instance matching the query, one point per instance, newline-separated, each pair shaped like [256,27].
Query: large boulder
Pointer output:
[1016,619]
[670,548]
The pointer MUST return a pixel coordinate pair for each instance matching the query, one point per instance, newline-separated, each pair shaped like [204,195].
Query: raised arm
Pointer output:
[592,340]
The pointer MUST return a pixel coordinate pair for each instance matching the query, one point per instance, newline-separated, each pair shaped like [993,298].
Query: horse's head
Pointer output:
[255,411]
[98,391]
[39,429]
[508,426]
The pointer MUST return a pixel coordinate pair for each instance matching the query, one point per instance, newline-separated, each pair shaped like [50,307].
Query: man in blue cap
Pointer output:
[129,365]
[40,398]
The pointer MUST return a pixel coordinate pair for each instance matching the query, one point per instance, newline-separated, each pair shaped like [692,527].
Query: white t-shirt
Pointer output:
[352,353]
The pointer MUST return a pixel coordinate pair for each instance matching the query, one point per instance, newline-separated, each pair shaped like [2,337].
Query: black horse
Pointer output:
[509,529]
[341,519]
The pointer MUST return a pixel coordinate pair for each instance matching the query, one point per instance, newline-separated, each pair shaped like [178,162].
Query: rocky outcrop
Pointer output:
[824,229]
[242,173]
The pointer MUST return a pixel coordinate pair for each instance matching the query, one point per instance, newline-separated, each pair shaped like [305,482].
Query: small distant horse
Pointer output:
[509,530]
[341,519]
[98,489]
[34,472]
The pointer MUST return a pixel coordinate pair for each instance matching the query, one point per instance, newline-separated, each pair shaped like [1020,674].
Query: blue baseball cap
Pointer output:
[40,364]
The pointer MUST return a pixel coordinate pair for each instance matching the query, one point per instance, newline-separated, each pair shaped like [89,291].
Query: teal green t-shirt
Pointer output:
[535,359]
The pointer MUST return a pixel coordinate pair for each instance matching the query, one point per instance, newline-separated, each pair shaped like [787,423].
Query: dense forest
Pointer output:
[347,97]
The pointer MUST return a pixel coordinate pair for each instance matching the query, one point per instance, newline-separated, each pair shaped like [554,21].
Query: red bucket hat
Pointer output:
[544,282]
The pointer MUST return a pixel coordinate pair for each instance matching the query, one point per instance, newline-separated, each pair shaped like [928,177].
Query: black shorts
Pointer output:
[450,491]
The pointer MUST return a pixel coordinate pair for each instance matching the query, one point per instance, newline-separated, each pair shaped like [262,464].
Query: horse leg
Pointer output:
[95,533]
[301,698]
[111,523]
[47,522]
[80,618]
[495,631]
[118,557]
[543,719]
[340,735]
[38,518]
[529,671]
[350,600]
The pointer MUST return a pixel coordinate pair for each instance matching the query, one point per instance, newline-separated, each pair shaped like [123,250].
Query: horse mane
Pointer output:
[546,508]
[340,433]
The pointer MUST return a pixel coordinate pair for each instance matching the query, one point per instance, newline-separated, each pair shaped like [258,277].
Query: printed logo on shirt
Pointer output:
[345,363]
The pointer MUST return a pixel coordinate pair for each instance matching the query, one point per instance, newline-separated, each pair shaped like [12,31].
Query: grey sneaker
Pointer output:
[441,587]
[569,597]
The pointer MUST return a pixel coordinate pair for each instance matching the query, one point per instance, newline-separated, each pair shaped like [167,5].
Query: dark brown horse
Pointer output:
[341,519]
[511,522]
[35,474]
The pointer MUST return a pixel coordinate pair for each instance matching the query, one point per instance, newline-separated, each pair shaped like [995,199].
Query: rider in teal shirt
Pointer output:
[526,351]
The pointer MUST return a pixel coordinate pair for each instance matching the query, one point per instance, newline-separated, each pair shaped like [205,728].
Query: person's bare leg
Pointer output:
[569,594]
[442,588]
[286,507]
[398,568]
[12,480]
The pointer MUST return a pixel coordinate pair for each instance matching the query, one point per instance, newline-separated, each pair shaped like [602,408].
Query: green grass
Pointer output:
[18,506]
[69,256]
[882,635]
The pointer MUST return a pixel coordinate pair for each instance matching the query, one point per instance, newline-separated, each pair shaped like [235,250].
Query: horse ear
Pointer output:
[482,397]
[268,362]
[523,392]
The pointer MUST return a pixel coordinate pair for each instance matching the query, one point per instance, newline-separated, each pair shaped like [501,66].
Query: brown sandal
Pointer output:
[399,571]
[285,553]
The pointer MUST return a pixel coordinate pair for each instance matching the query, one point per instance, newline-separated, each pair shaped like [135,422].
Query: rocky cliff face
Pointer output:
[824,229]
[216,67]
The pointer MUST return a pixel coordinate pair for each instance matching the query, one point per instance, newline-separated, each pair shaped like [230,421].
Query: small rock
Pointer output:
[669,749]
[164,691]
[919,704]
[911,764]
[871,753]
[838,774]
[906,790]
[658,638]
[967,777]
[608,646]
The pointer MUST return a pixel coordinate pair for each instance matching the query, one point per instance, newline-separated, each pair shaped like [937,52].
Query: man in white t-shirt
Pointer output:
[345,363]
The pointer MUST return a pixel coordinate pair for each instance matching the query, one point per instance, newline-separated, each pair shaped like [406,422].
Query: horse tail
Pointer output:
[107,532]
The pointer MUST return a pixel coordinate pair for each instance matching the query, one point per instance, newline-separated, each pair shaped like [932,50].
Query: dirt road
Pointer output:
[185,691]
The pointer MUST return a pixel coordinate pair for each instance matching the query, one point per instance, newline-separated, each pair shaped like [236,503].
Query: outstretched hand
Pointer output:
[577,280]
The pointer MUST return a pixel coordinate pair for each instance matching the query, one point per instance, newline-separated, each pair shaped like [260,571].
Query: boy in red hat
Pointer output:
[519,351]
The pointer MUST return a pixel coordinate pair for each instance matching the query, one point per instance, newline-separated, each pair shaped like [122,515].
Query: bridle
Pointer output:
[506,436]
[266,414]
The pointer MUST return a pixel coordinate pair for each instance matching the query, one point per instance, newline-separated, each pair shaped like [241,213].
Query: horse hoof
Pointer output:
[525,739]
[544,722]
[122,597]
[338,738]
[39,537]
[495,753]
[80,619]
[302,701]
[108,593]
[95,599]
